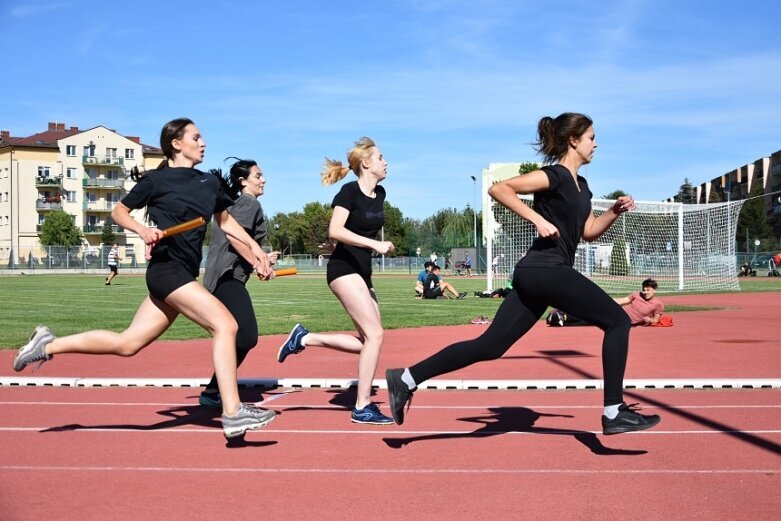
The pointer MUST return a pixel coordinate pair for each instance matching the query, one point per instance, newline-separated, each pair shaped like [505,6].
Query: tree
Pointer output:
[618,263]
[527,167]
[395,229]
[59,229]
[107,233]
[615,194]
[754,221]
[686,193]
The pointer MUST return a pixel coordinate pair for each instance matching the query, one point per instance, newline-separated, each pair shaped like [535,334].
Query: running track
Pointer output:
[83,453]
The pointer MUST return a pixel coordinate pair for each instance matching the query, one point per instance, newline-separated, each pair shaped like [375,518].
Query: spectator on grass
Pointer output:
[435,287]
[421,279]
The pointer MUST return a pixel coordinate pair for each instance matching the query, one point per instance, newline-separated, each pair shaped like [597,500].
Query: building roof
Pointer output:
[55,132]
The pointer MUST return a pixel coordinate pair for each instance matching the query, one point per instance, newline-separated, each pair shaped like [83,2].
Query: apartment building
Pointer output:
[84,173]
[762,177]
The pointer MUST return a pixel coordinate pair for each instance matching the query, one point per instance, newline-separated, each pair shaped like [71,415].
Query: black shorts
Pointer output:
[339,268]
[163,278]
[433,293]
[112,268]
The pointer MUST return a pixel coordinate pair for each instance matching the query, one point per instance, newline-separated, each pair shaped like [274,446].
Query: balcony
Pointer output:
[103,160]
[106,184]
[96,229]
[98,206]
[49,204]
[48,182]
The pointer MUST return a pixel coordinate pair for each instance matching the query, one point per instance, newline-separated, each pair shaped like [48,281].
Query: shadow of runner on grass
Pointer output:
[504,420]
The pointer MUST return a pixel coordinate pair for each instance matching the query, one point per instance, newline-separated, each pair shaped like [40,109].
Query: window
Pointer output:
[70,173]
[43,171]
[70,150]
[70,196]
[41,218]
[89,150]
[112,174]
[5,197]
[129,153]
[91,197]
[111,153]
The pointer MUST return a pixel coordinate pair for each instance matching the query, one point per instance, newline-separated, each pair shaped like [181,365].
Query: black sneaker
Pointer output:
[399,394]
[628,420]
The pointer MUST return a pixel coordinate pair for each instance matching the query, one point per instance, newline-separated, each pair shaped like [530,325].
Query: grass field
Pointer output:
[74,303]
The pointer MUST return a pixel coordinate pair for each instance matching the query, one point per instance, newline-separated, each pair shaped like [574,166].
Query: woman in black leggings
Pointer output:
[545,277]
[227,271]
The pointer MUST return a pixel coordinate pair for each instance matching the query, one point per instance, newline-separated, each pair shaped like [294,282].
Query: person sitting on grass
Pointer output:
[435,287]
[421,280]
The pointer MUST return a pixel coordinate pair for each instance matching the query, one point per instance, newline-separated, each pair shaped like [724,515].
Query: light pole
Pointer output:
[474,222]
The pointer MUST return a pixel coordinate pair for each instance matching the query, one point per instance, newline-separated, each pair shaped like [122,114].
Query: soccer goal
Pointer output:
[685,247]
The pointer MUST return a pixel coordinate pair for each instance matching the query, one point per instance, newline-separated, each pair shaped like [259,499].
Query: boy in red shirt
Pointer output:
[643,307]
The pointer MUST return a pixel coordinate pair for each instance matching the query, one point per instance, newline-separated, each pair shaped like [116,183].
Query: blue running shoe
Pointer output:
[370,414]
[210,399]
[293,343]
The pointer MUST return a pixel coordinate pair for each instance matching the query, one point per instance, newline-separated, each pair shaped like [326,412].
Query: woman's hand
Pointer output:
[384,247]
[150,236]
[623,204]
[546,229]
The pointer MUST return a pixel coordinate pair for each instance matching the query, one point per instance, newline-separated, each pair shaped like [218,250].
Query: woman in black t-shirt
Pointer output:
[544,276]
[357,219]
[174,193]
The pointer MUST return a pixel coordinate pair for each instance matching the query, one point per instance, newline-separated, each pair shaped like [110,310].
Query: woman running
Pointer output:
[357,218]
[174,193]
[227,270]
[545,277]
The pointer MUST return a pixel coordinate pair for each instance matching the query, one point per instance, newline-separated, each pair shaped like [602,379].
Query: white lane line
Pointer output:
[267,402]
[238,470]
[536,431]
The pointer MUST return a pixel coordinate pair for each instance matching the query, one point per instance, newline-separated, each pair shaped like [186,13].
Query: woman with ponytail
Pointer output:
[227,270]
[544,276]
[357,218]
[174,193]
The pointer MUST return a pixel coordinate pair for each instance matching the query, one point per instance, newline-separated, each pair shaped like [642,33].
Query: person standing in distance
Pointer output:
[357,218]
[545,276]
[113,263]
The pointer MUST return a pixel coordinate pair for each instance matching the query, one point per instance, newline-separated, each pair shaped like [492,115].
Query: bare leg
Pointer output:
[196,303]
[365,313]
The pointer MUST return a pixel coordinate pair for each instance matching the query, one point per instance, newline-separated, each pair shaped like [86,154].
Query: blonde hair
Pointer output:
[334,171]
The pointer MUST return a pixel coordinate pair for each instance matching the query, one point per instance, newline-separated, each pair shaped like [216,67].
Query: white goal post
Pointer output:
[685,247]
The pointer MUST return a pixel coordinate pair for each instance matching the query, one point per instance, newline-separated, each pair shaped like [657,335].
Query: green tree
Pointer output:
[618,263]
[59,229]
[615,194]
[686,193]
[107,233]
[754,223]
[395,230]
[317,217]
[527,167]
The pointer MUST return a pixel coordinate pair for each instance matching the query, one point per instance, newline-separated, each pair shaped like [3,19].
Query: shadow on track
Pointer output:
[504,420]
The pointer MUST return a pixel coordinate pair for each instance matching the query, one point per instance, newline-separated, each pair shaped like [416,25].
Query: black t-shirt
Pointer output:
[173,196]
[431,286]
[366,218]
[565,207]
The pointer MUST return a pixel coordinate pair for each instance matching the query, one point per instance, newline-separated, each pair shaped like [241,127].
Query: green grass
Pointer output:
[74,303]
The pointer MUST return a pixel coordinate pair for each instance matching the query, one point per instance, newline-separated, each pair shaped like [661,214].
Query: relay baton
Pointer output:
[185,226]
[283,272]
[174,230]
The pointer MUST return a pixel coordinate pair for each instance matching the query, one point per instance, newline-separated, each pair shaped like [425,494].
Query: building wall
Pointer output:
[37,180]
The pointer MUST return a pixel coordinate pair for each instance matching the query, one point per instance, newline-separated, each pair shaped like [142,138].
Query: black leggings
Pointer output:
[234,295]
[534,289]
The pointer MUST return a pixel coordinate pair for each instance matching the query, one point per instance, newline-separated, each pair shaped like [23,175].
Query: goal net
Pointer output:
[684,247]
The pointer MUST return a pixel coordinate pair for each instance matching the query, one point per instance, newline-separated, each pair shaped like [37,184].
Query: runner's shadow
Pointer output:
[179,417]
[503,420]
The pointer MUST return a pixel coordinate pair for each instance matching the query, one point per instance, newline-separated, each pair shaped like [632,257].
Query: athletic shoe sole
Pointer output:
[238,431]
[629,428]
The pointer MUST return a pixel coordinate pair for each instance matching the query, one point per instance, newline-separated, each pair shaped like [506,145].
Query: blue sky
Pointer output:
[676,89]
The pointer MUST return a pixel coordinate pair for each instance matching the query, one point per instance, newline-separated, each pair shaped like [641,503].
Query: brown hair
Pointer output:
[174,129]
[553,135]
[334,171]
